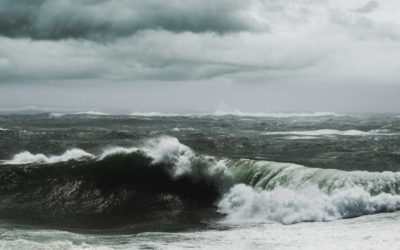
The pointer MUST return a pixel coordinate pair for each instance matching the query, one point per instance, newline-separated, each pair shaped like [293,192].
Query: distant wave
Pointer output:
[3,129]
[163,173]
[276,115]
[26,109]
[150,114]
[322,132]
[238,113]
[54,113]
[90,113]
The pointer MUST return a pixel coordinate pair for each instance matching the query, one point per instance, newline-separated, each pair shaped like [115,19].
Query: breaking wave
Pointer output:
[28,158]
[164,175]
[288,206]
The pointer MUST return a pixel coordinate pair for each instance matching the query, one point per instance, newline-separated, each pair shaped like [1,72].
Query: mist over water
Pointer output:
[126,97]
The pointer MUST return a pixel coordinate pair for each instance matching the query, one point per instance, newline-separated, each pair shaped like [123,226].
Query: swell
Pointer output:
[164,178]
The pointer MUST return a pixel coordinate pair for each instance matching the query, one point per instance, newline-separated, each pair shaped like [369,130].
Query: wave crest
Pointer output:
[28,158]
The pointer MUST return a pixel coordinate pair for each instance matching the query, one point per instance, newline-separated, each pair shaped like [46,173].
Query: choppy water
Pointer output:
[96,180]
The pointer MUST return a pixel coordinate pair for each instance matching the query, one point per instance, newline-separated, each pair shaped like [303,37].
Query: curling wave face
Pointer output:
[166,178]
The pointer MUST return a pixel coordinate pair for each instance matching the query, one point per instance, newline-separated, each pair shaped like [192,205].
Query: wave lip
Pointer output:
[167,150]
[28,158]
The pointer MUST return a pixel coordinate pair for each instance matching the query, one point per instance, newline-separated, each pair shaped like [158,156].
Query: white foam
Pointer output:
[3,129]
[27,157]
[56,115]
[117,151]
[176,129]
[158,114]
[301,137]
[284,205]
[275,115]
[51,245]
[89,113]
[379,231]
[170,150]
[96,113]
[324,132]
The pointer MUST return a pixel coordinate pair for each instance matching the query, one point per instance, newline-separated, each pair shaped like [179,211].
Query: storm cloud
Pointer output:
[101,19]
[257,45]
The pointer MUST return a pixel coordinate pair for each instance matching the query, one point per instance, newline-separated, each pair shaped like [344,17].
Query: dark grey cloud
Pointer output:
[297,41]
[100,19]
[368,7]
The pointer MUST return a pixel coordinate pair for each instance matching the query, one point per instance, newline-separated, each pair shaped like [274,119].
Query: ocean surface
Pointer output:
[93,180]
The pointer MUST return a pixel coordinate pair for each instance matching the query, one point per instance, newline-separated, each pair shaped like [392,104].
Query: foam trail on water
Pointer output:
[322,132]
[3,129]
[27,157]
[56,244]
[295,137]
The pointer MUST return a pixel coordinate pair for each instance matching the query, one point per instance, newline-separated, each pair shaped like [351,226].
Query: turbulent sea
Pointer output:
[93,180]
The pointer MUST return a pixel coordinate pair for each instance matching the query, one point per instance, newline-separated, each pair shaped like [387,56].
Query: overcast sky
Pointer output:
[182,55]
